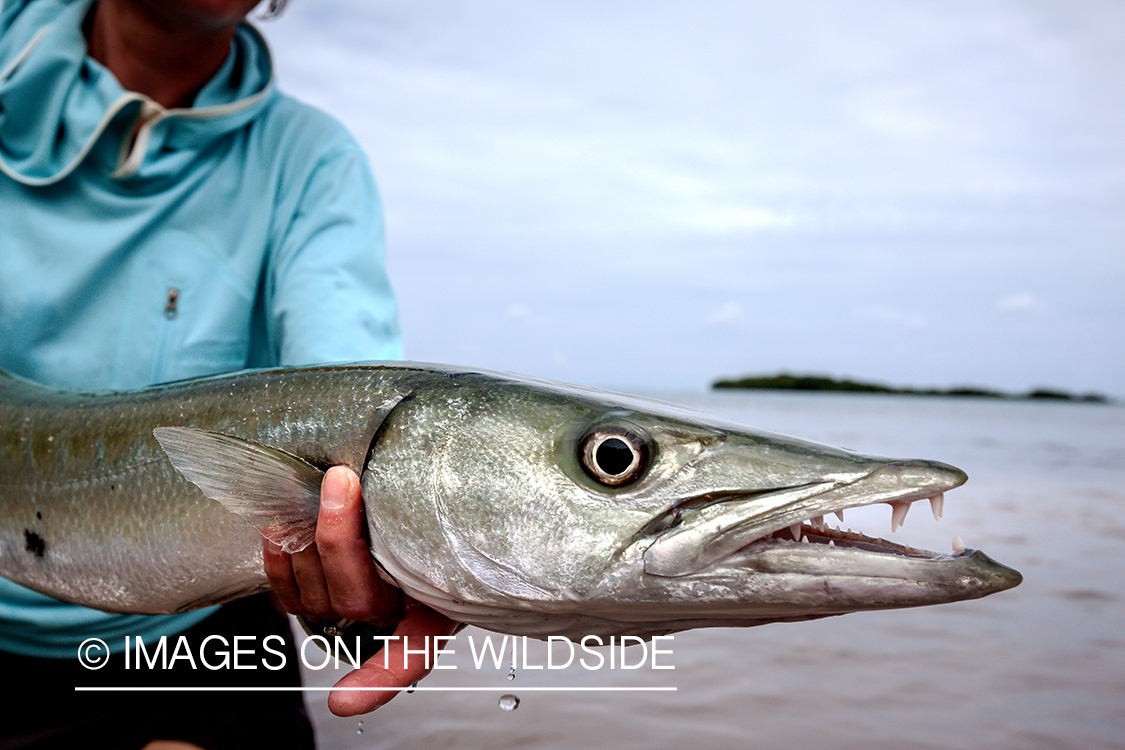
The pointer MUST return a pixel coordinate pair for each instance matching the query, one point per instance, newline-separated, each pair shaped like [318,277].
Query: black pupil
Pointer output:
[614,456]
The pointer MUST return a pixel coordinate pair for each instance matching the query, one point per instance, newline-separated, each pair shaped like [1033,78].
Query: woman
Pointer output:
[165,213]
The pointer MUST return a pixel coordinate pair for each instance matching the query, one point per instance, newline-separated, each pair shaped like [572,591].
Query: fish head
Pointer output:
[535,508]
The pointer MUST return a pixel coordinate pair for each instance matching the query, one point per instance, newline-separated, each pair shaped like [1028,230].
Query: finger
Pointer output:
[308,573]
[388,669]
[279,571]
[298,580]
[353,584]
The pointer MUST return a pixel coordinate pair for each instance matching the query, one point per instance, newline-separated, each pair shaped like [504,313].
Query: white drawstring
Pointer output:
[132,153]
[11,68]
[133,150]
[122,102]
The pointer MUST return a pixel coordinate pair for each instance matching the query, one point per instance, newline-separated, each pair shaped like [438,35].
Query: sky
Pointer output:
[652,195]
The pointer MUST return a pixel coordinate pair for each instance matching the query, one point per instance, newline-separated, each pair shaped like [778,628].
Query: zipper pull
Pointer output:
[170,307]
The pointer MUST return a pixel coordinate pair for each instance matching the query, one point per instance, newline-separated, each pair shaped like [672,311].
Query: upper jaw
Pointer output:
[704,531]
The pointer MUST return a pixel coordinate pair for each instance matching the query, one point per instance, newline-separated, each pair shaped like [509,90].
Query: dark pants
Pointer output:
[43,710]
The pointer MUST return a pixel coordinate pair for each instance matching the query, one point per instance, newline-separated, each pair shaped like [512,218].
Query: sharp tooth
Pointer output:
[795,530]
[831,543]
[958,544]
[898,514]
[937,505]
[840,515]
[818,522]
[804,539]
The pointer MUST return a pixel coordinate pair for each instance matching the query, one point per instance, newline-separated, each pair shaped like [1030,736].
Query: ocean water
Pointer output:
[1039,666]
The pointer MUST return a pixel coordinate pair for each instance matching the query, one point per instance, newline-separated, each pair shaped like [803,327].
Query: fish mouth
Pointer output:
[730,529]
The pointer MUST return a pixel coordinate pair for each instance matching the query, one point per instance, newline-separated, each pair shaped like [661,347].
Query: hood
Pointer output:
[59,107]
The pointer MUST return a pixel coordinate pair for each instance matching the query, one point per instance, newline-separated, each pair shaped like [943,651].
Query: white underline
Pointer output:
[419,689]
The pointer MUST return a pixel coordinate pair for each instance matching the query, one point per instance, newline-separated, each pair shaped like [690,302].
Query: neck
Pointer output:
[154,53]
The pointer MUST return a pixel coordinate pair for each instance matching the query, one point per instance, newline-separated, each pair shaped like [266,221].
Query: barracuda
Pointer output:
[517,505]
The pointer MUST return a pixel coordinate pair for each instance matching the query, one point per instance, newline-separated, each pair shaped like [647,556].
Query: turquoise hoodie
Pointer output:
[243,231]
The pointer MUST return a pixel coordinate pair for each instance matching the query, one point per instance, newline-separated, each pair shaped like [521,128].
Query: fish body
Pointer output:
[518,505]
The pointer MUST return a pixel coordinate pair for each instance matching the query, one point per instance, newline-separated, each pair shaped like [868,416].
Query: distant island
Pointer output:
[788,382]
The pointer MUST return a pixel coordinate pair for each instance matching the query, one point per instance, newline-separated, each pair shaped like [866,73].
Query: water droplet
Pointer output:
[359,728]
[509,702]
[512,673]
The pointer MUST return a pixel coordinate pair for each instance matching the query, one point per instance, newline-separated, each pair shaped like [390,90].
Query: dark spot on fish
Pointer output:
[34,543]
[39,515]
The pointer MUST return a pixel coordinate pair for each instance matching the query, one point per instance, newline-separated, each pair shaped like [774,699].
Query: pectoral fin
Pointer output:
[276,491]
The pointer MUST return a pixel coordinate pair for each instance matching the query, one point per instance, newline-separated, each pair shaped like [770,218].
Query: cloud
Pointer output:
[730,312]
[898,318]
[733,219]
[1020,303]
[518,311]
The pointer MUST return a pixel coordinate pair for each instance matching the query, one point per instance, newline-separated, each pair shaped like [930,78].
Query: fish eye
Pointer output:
[614,455]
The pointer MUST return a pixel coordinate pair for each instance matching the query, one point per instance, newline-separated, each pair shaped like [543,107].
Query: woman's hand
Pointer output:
[336,579]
